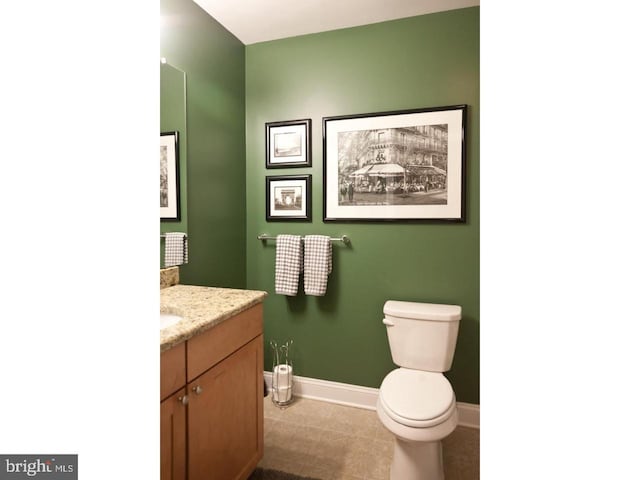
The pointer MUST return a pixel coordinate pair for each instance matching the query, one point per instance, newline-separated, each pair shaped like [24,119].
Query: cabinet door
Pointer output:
[225,418]
[173,437]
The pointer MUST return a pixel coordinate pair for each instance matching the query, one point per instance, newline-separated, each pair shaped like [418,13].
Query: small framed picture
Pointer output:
[288,198]
[169,178]
[288,144]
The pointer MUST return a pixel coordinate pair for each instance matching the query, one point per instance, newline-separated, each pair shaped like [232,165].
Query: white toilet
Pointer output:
[416,402]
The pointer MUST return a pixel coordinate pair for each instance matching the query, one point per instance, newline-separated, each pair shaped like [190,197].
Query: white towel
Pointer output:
[176,249]
[288,264]
[317,264]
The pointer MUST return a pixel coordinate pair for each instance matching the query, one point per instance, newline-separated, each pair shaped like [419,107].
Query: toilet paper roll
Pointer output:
[282,394]
[282,376]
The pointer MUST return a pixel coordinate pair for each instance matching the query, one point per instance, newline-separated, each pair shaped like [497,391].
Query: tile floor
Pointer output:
[335,442]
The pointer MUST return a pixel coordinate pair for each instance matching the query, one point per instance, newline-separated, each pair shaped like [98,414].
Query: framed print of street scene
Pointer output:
[288,144]
[395,166]
[288,197]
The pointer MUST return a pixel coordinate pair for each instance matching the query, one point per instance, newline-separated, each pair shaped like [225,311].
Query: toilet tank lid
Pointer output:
[423,311]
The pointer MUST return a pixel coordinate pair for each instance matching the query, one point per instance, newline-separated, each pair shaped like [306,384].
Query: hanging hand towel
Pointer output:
[288,264]
[175,249]
[317,264]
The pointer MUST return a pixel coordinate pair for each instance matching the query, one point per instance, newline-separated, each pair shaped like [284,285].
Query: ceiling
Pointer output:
[253,21]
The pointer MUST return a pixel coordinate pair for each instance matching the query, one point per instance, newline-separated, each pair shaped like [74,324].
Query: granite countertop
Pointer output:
[202,308]
[169,276]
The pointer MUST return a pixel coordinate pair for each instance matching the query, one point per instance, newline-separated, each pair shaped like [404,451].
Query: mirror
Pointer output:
[173,118]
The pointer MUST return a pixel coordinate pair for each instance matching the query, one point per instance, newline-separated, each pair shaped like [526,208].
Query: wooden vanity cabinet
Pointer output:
[222,379]
[173,414]
[173,436]
[173,364]
[225,419]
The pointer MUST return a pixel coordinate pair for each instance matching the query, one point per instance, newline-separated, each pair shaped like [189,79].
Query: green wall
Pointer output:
[426,61]
[214,62]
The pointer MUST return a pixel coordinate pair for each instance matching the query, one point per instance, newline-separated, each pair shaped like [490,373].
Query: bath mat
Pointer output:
[268,474]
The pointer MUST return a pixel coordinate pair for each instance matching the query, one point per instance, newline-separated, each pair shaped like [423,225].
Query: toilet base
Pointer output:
[417,461]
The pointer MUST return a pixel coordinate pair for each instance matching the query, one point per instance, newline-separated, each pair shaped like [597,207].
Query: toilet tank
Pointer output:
[422,336]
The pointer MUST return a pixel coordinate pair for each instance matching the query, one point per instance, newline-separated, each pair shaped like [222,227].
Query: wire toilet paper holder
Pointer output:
[282,380]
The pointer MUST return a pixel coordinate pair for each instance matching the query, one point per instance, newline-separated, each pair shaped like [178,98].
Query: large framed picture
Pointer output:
[288,197]
[395,166]
[288,144]
[169,177]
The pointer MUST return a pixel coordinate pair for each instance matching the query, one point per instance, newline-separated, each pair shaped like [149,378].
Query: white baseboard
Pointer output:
[468,414]
[361,397]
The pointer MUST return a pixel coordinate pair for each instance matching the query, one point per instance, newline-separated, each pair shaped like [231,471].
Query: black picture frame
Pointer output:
[288,198]
[288,144]
[169,177]
[395,166]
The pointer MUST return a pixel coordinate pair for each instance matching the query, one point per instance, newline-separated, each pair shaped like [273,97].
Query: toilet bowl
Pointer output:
[416,402]
[419,409]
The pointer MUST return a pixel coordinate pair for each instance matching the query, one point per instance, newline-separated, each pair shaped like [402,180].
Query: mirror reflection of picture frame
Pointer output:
[288,198]
[169,177]
[288,144]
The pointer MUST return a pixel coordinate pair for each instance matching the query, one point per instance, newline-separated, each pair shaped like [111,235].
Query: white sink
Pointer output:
[168,319]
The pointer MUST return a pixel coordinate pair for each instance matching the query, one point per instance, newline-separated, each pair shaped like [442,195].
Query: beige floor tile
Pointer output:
[377,465]
[320,471]
[354,465]
[334,442]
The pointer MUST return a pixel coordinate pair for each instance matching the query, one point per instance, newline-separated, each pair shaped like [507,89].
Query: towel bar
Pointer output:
[163,235]
[343,238]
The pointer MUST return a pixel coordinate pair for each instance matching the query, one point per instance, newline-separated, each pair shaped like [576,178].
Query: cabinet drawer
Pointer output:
[208,348]
[172,370]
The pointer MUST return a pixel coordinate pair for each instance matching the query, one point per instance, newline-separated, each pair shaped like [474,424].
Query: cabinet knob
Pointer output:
[197,389]
[183,399]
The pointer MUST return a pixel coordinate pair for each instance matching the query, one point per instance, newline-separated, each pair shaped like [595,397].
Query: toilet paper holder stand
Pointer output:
[282,380]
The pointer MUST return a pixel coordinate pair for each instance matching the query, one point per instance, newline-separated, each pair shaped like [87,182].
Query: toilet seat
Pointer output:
[417,398]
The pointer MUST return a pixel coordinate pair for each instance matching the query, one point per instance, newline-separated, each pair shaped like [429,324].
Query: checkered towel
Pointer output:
[288,264]
[175,249]
[317,264]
